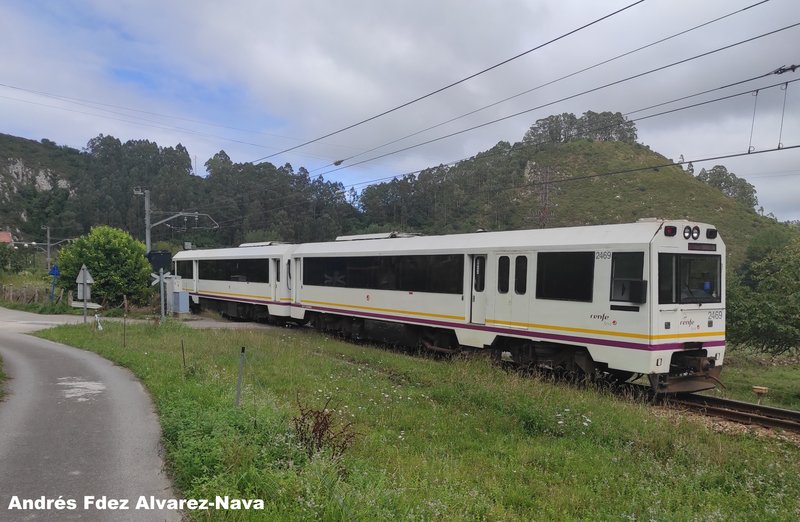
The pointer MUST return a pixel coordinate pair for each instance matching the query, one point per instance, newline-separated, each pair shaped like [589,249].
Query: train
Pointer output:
[623,301]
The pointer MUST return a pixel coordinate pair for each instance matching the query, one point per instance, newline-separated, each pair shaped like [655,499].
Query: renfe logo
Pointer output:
[603,318]
[688,323]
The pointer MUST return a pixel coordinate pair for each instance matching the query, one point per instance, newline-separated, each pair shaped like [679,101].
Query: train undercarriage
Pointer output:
[690,371]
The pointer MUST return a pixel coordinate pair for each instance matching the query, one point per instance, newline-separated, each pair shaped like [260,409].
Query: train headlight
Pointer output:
[711,233]
[687,232]
[670,230]
[696,232]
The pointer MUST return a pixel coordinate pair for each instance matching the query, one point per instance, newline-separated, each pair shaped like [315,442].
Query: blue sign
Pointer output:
[55,272]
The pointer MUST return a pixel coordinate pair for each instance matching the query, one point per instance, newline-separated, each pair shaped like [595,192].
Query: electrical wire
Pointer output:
[546,84]
[582,93]
[670,111]
[153,124]
[590,176]
[453,84]
[594,129]
[780,70]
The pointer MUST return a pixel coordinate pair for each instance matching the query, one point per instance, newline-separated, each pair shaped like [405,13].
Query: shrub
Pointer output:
[116,261]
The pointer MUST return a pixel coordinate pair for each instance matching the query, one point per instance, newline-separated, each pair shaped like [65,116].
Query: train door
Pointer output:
[511,300]
[478,290]
[290,280]
[275,268]
[297,279]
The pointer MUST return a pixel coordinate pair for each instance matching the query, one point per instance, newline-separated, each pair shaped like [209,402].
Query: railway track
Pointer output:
[738,411]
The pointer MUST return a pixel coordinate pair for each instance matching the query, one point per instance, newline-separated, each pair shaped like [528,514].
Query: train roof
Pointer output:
[590,237]
[243,252]
[639,233]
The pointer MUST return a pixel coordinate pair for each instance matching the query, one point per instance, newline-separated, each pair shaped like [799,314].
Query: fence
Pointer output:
[29,294]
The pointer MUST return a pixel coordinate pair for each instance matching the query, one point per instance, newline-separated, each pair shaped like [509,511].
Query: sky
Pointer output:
[257,77]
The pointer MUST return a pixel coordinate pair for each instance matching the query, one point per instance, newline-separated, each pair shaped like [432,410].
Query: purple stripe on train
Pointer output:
[534,334]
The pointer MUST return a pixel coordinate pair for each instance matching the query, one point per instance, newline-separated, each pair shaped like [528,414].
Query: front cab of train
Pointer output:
[688,317]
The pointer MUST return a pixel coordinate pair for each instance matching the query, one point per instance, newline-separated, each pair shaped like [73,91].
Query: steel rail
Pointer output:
[739,411]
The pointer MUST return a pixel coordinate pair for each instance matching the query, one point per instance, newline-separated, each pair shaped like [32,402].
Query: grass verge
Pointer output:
[745,368]
[435,440]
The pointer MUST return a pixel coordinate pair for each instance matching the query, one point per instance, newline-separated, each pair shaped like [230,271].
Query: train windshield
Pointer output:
[689,278]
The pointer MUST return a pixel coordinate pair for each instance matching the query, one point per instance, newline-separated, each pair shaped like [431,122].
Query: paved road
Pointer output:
[74,426]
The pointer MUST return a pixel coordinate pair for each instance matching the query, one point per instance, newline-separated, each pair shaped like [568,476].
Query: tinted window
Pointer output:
[689,278]
[436,273]
[521,275]
[184,269]
[566,276]
[479,277]
[626,267]
[249,270]
[503,268]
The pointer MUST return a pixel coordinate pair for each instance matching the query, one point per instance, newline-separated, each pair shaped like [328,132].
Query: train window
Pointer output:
[434,273]
[567,276]
[479,275]
[521,275]
[667,276]
[242,270]
[184,269]
[689,278]
[503,268]
[626,275]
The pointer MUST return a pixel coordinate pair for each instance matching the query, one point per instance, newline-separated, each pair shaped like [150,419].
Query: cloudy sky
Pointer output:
[257,77]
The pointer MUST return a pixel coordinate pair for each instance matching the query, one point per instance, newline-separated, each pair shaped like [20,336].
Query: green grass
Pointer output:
[745,369]
[437,440]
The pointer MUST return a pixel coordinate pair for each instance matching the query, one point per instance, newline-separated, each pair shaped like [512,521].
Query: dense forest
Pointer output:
[566,170]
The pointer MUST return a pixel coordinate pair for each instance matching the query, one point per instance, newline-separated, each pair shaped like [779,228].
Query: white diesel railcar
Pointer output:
[641,298]
[243,282]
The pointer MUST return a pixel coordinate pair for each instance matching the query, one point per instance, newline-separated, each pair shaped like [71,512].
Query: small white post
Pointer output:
[239,379]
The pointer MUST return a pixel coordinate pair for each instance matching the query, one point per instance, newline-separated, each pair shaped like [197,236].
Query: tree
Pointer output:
[762,245]
[730,185]
[594,126]
[115,260]
[6,251]
[766,314]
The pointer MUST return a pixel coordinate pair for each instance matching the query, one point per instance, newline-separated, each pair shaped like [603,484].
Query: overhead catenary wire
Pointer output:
[450,85]
[546,84]
[195,132]
[783,114]
[779,70]
[584,177]
[98,105]
[576,95]
[150,123]
[662,113]
[535,144]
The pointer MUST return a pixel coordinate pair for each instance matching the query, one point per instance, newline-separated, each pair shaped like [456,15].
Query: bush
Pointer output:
[116,261]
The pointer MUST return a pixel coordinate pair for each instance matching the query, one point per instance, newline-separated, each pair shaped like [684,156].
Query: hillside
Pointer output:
[511,186]
[667,192]
[70,191]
